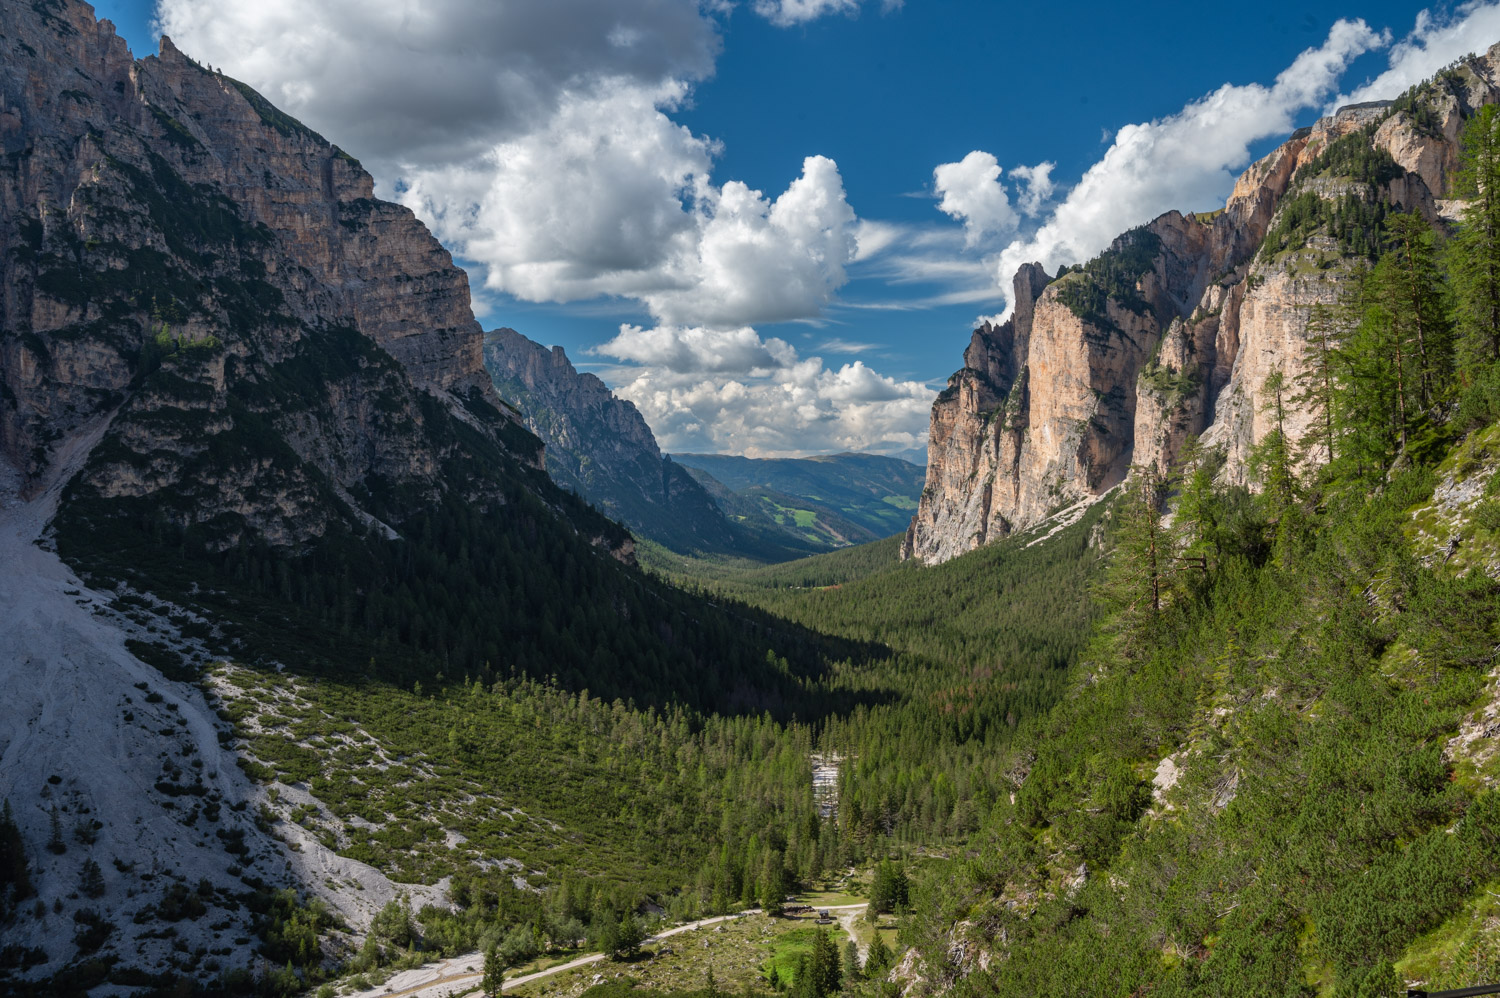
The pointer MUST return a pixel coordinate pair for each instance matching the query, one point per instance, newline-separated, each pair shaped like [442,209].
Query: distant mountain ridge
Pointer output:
[599,446]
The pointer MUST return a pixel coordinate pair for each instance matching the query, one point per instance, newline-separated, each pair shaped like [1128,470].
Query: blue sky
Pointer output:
[594,164]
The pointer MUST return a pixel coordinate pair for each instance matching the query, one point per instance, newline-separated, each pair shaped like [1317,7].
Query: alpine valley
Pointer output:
[348,648]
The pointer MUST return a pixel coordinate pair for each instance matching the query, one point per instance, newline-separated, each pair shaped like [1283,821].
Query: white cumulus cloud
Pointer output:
[599,199]
[970,191]
[1434,42]
[699,351]
[757,260]
[797,406]
[786,13]
[733,390]
[1186,160]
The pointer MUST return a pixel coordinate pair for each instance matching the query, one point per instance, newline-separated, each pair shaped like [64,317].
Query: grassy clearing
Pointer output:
[554,958]
[864,932]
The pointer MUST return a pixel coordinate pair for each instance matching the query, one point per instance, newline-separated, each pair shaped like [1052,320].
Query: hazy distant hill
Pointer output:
[830,500]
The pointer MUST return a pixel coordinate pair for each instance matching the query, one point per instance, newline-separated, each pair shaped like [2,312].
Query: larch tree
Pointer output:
[1315,386]
[494,972]
[1272,457]
[1474,254]
[1196,525]
[1413,293]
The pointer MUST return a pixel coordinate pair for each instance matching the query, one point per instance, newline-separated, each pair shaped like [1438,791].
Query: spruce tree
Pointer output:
[878,959]
[15,878]
[771,897]
[55,841]
[91,879]
[628,938]
[803,983]
[772,882]
[852,970]
[823,971]
[889,888]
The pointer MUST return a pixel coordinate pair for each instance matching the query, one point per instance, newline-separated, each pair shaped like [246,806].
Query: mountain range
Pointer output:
[599,447]
[326,651]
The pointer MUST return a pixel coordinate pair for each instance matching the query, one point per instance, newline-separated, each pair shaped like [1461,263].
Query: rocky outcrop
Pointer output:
[1271,318]
[599,446]
[277,349]
[1044,412]
[1173,331]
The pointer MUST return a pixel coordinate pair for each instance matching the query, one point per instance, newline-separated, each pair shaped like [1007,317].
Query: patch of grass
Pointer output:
[790,947]
[1475,524]
[831,898]
[738,952]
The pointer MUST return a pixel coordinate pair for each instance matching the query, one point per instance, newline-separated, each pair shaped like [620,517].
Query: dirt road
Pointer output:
[462,973]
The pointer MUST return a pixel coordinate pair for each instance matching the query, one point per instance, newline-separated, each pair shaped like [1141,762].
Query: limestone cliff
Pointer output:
[1173,331]
[599,446]
[275,349]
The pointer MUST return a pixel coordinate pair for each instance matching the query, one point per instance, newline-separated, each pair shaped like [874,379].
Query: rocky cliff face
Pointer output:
[599,446]
[1173,331]
[275,350]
